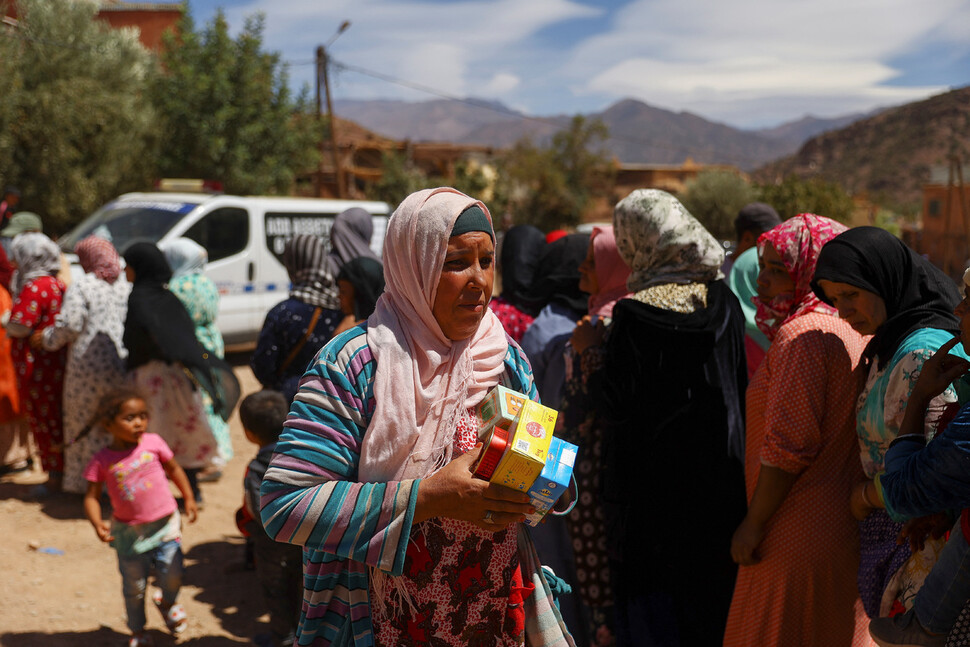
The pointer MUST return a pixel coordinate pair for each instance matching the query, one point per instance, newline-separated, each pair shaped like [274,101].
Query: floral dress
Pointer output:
[586,523]
[456,576]
[40,373]
[91,324]
[889,574]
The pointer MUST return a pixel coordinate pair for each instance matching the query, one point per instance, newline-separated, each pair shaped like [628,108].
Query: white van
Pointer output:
[244,236]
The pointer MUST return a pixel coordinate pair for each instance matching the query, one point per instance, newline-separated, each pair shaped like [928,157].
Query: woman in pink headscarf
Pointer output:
[372,473]
[798,545]
[91,322]
[603,276]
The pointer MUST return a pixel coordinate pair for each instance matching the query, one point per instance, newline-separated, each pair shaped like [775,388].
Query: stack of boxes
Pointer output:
[521,452]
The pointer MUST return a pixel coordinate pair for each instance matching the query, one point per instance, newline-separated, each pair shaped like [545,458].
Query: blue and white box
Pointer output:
[554,479]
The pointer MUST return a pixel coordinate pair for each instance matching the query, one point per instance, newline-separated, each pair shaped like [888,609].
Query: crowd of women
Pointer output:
[152,325]
[710,508]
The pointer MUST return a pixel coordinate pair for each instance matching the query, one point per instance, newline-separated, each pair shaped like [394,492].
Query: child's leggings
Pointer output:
[167,560]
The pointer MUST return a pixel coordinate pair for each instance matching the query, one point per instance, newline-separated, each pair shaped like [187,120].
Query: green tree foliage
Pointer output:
[551,187]
[227,112]
[714,197]
[75,118]
[401,177]
[793,196]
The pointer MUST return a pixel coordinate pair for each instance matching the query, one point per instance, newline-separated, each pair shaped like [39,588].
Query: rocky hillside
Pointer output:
[639,133]
[889,155]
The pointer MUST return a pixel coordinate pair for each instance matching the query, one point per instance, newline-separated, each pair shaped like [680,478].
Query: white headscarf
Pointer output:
[424,381]
[184,256]
[36,255]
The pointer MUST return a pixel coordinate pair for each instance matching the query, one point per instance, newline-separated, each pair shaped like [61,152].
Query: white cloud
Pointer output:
[502,83]
[748,62]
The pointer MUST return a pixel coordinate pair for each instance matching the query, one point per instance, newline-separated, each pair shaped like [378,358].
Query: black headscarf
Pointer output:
[557,275]
[917,294]
[158,327]
[367,277]
[521,247]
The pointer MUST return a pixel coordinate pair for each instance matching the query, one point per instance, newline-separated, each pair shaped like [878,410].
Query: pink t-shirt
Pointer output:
[135,480]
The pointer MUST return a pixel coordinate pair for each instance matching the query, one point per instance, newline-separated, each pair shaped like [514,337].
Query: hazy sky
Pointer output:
[748,63]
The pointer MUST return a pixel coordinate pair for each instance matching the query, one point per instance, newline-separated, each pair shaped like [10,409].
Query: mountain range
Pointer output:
[639,133]
[886,155]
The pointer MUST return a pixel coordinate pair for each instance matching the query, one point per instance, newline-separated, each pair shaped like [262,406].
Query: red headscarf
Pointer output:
[611,272]
[798,241]
[99,257]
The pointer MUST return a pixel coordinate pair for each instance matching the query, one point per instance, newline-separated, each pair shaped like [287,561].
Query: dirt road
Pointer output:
[49,599]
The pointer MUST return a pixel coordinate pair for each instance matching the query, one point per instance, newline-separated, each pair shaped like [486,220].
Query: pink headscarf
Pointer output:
[611,272]
[99,257]
[798,241]
[424,381]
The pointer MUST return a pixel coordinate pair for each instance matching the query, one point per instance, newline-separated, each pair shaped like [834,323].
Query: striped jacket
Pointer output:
[311,497]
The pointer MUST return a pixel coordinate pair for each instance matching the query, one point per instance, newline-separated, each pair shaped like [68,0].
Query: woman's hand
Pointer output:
[744,544]
[454,492]
[918,530]
[586,334]
[859,503]
[37,340]
[938,372]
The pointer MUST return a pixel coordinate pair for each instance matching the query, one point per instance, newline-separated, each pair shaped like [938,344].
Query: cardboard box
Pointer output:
[497,414]
[527,448]
[554,479]
[500,407]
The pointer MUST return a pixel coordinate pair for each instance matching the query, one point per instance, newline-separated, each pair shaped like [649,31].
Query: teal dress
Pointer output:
[889,574]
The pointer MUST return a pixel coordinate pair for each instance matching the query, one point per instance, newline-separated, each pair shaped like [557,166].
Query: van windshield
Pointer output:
[128,221]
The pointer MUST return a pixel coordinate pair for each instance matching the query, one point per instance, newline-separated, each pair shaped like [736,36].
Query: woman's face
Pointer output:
[130,273]
[345,293]
[587,272]
[465,285]
[865,311]
[773,279]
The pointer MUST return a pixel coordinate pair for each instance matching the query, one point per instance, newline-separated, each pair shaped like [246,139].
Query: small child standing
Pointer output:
[145,528]
[279,567]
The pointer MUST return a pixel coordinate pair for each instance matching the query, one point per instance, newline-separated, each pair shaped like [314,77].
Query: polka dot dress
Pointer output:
[801,418]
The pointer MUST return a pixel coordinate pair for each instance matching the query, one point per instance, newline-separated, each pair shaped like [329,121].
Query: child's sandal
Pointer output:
[175,617]
[141,640]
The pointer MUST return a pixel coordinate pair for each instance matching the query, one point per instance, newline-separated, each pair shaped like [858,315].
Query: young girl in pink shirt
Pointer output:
[145,526]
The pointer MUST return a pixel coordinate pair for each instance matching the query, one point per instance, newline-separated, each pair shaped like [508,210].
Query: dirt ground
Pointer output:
[74,598]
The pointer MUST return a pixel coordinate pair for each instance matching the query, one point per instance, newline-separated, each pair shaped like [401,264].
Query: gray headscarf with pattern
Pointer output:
[662,243]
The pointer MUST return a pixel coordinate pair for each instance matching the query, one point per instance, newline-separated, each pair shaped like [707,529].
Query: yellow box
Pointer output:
[528,447]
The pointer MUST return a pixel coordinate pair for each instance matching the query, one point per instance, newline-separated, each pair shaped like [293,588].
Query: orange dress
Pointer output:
[801,418]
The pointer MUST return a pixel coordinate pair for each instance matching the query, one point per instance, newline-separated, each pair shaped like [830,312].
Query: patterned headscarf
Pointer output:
[424,381]
[662,243]
[305,259]
[611,272]
[798,241]
[36,255]
[184,256]
[99,257]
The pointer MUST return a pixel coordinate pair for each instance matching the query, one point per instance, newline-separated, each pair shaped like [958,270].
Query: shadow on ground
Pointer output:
[224,585]
[105,637]
[61,506]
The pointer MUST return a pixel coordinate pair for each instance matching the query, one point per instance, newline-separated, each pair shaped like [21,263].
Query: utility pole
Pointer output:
[324,80]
